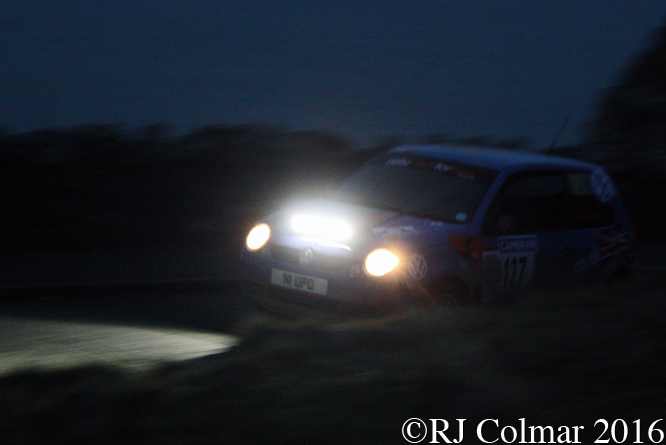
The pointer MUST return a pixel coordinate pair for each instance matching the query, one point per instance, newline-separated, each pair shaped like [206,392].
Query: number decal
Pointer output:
[516,260]
[510,267]
[516,270]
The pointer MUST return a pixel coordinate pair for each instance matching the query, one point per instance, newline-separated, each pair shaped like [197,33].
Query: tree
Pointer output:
[155,134]
[519,143]
[635,109]
[390,140]
[323,140]
[439,138]
[485,140]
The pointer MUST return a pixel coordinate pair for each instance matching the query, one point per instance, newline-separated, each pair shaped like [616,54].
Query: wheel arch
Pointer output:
[452,288]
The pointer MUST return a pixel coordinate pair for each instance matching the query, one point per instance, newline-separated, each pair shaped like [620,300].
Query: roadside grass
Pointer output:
[554,359]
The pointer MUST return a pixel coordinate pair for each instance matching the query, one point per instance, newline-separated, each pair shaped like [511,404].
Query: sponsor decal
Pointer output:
[453,170]
[398,162]
[602,185]
[418,267]
[442,167]
[468,246]
[611,241]
[517,243]
[461,172]
[608,244]
[386,233]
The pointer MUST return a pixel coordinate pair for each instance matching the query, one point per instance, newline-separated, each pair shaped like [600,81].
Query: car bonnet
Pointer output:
[369,227]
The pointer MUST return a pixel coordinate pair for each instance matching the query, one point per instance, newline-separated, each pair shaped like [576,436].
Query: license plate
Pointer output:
[300,282]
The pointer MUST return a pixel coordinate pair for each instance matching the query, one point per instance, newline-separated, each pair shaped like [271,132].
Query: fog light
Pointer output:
[380,262]
[258,237]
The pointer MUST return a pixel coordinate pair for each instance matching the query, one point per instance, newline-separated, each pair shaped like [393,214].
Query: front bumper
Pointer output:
[349,290]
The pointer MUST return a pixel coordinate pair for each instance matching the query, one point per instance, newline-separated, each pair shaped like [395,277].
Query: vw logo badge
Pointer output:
[306,256]
[418,266]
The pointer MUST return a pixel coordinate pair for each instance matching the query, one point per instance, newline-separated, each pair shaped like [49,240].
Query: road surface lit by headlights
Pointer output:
[27,343]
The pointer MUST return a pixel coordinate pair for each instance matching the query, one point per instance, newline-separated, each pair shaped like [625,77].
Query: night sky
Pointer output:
[365,68]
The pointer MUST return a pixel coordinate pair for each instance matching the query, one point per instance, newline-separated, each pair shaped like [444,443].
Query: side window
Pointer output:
[529,202]
[537,202]
[585,209]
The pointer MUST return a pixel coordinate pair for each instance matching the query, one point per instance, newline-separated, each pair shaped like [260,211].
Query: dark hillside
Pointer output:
[66,192]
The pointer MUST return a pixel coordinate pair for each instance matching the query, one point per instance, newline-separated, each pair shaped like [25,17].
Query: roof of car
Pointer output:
[492,158]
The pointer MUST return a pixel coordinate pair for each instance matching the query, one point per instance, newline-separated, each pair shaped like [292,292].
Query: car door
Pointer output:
[526,229]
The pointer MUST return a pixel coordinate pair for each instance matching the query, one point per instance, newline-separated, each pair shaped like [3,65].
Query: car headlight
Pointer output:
[258,237]
[380,262]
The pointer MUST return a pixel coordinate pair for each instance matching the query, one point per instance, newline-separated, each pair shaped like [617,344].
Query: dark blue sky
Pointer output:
[367,68]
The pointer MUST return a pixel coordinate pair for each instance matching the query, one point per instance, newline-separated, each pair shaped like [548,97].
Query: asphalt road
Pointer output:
[130,308]
[29,343]
[133,329]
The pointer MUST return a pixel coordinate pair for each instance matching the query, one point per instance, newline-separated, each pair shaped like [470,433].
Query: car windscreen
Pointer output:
[419,186]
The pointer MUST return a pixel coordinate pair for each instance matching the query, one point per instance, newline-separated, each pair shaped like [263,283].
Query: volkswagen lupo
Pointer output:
[439,224]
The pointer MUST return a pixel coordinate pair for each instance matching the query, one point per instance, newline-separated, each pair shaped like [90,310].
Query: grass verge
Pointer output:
[554,359]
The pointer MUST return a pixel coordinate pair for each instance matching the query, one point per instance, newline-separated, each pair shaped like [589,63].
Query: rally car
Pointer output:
[439,225]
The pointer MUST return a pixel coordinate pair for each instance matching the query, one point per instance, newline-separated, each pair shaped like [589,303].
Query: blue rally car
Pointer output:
[440,224]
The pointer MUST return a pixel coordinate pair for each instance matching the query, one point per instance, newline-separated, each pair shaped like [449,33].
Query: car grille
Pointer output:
[323,262]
